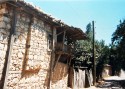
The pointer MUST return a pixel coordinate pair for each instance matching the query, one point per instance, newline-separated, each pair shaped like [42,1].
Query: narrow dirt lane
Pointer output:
[113,82]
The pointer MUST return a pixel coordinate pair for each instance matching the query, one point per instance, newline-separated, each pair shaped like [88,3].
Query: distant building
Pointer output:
[35,49]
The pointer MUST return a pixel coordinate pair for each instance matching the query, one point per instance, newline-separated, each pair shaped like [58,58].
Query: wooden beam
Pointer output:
[75,35]
[62,52]
[74,44]
[62,32]
[64,35]
[69,61]
[57,61]
[26,56]
[5,72]
[52,58]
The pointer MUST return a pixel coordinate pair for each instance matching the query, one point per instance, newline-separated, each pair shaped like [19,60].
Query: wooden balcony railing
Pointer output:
[64,48]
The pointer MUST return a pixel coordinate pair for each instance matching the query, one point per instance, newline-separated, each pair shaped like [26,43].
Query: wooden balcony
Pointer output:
[64,49]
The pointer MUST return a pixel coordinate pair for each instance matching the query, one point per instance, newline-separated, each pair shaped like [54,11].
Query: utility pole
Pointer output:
[94,66]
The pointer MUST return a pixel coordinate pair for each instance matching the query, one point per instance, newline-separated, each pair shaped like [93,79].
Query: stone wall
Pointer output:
[4,34]
[33,50]
[38,56]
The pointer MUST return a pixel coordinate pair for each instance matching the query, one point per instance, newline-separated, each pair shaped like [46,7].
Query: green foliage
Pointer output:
[87,45]
[102,52]
[89,32]
[118,48]
[118,39]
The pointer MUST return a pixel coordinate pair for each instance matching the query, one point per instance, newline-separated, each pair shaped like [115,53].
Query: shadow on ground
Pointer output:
[112,84]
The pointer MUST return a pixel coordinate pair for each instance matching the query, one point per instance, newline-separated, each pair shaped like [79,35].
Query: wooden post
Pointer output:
[74,44]
[94,66]
[63,45]
[52,58]
[57,61]
[70,59]
[5,72]
[26,55]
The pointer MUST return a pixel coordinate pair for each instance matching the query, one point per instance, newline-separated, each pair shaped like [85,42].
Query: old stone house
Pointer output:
[35,49]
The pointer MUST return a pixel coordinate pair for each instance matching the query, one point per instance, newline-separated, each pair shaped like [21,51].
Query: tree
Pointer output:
[118,39]
[89,31]
[118,46]
[102,51]
[87,45]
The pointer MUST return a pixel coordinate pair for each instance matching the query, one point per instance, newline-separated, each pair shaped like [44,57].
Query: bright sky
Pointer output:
[78,13]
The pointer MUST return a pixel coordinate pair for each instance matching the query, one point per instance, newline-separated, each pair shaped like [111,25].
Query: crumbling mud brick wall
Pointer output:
[60,76]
